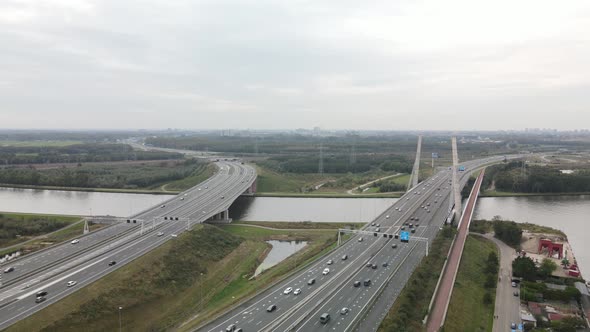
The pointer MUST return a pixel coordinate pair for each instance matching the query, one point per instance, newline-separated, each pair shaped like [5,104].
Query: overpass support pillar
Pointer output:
[220,218]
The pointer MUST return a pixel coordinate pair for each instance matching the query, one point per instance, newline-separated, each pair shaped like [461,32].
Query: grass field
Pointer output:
[467,311]
[38,143]
[200,175]
[320,242]
[188,280]
[270,181]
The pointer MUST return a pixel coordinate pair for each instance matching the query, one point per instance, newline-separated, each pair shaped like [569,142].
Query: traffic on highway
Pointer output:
[37,280]
[340,289]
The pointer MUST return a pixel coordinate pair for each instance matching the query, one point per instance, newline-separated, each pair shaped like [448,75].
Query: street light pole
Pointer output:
[120,326]
[201,291]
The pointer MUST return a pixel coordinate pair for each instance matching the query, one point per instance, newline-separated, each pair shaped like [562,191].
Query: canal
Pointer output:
[567,213]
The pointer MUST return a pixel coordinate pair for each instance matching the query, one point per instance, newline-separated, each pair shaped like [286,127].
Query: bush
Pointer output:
[508,231]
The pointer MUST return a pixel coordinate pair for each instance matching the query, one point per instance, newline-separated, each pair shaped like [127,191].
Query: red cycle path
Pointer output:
[445,289]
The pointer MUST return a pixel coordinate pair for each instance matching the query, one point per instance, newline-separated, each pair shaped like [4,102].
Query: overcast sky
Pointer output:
[337,64]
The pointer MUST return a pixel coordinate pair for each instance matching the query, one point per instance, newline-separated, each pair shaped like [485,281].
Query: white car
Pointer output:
[288,290]
[387,217]
[326,271]
[297,291]
[173,235]
[160,233]
[71,283]
[75,241]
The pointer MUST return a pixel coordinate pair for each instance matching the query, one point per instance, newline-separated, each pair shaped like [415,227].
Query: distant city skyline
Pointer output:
[370,65]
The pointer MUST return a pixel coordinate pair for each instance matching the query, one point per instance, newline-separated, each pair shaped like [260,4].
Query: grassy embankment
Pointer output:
[17,228]
[495,193]
[467,310]
[411,306]
[198,176]
[187,280]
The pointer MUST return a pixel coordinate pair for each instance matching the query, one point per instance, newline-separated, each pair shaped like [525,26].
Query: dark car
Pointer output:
[515,293]
[385,264]
[374,266]
[41,293]
[111,263]
[357,283]
[367,282]
[271,308]
[311,281]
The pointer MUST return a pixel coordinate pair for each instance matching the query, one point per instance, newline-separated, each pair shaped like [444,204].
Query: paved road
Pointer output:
[333,291]
[445,289]
[87,260]
[507,307]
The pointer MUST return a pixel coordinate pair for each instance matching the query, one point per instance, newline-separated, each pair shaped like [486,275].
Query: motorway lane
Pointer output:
[39,259]
[20,303]
[352,248]
[252,316]
[342,295]
[380,308]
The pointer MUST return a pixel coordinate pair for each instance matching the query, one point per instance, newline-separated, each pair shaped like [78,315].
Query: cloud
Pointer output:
[295,63]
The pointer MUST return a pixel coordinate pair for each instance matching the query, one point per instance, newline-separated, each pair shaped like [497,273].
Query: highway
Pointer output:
[87,261]
[334,291]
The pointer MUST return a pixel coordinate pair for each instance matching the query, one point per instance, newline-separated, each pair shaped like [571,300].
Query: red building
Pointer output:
[551,248]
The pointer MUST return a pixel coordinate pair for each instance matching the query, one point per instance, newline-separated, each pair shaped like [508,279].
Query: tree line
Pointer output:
[78,153]
[516,177]
[103,176]
[334,164]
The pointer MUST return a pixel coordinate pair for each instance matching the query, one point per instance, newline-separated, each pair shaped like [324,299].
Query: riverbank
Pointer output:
[104,190]
[494,193]
[329,195]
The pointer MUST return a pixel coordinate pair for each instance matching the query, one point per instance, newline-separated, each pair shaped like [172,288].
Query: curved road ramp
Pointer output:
[94,255]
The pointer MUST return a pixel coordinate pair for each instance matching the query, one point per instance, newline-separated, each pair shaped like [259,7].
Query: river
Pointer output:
[75,202]
[569,214]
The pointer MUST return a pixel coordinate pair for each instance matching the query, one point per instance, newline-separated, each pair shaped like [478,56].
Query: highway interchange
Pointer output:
[334,291]
[85,262]
[88,260]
